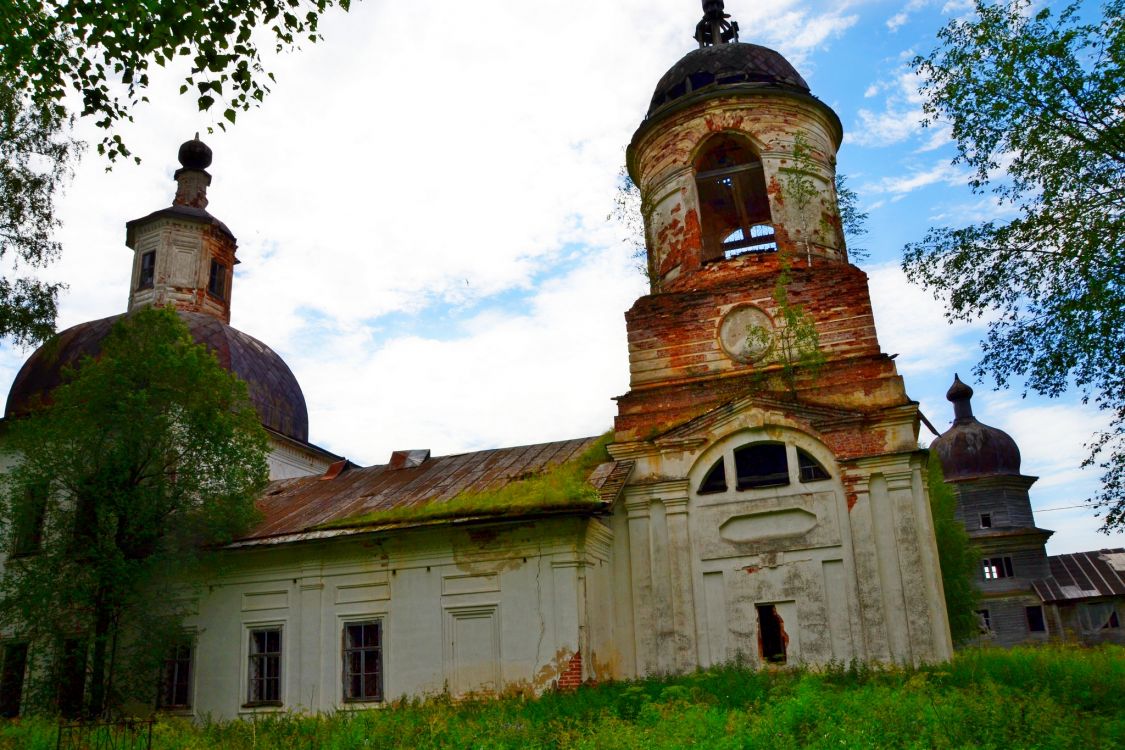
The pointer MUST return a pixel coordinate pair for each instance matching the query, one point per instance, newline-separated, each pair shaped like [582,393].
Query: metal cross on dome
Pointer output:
[714,28]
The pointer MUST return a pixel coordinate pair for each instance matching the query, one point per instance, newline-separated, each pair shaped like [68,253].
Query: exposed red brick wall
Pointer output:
[571,678]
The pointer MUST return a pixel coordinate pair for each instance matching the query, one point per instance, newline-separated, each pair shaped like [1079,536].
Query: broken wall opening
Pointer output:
[772,640]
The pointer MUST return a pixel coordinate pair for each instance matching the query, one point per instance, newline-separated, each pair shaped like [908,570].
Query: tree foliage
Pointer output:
[35,160]
[148,456]
[61,59]
[853,220]
[958,558]
[103,52]
[1036,103]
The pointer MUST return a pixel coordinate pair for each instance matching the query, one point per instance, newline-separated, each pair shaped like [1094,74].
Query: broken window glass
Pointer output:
[264,678]
[363,661]
[175,678]
[810,468]
[984,621]
[148,270]
[997,567]
[27,524]
[733,204]
[986,520]
[1035,621]
[217,283]
[716,479]
[761,465]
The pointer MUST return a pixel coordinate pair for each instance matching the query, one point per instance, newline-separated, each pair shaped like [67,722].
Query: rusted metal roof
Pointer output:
[307,507]
[1084,575]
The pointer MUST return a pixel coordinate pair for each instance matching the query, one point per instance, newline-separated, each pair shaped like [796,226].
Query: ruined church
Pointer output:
[762,495]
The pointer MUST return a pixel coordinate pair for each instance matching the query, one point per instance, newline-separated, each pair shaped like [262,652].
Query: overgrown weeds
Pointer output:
[1055,697]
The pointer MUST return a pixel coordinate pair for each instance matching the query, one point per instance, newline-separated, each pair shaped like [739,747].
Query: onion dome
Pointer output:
[274,390]
[194,154]
[970,449]
[735,65]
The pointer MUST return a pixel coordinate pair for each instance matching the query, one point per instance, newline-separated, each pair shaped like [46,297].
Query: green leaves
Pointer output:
[152,452]
[1036,108]
[103,50]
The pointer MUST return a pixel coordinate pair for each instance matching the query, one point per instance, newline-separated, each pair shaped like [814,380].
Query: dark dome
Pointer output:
[273,389]
[726,65]
[970,449]
[194,154]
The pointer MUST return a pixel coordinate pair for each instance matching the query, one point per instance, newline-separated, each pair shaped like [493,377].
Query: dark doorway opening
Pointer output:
[771,634]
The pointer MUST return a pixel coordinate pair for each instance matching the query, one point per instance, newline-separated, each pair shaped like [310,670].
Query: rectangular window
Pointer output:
[72,677]
[984,621]
[997,567]
[11,679]
[27,529]
[1035,621]
[175,678]
[217,283]
[761,465]
[986,520]
[148,270]
[264,676]
[363,661]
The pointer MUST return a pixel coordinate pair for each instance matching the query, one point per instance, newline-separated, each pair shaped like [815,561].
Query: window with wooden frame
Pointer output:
[27,525]
[148,270]
[809,468]
[733,205]
[363,661]
[761,465]
[263,677]
[217,281]
[997,567]
[175,678]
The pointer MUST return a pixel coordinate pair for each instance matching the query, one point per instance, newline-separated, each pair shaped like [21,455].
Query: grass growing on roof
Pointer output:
[562,486]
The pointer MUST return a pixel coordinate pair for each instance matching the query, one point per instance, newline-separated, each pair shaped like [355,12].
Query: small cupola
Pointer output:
[970,449]
[182,255]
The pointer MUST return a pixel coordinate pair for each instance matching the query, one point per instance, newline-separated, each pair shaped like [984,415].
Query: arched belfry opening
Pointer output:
[733,206]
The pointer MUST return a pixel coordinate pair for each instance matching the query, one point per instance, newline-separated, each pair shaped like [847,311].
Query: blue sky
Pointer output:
[421,211]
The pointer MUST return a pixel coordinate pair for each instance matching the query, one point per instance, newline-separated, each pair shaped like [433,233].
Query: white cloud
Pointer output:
[897,20]
[901,116]
[941,173]
[911,324]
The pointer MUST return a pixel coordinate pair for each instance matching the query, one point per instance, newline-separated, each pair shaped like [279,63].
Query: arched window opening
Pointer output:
[761,465]
[716,479]
[810,468]
[733,205]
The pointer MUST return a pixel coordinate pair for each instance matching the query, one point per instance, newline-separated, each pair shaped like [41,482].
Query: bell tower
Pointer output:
[777,503]
[736,162]
[182,255]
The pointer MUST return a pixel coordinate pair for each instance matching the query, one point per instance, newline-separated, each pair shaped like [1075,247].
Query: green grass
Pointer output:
[561,487]
[1056,697]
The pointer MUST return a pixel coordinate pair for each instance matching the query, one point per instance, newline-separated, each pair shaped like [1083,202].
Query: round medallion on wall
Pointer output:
[746,333]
